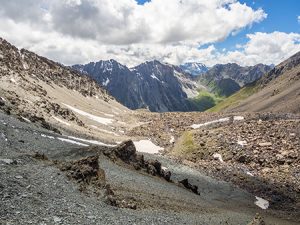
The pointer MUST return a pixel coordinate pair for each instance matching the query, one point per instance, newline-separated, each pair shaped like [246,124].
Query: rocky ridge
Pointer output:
[157,86]
[226,79]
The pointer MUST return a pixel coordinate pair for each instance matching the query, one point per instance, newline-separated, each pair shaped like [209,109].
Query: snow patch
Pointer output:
[147,146]
[98,119]
[261,203]
[154,77]
[27,120]
[218,157]
[94,142]
[237,118]
[242,143]
[72,142]
[196,126]
[61,121]
[46,136]
[105,83]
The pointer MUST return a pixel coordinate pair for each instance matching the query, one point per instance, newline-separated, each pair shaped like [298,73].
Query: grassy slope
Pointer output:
[234,99]
[185,145]
[205,100]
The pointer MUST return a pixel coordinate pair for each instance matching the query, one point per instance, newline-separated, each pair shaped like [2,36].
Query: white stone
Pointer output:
[218,156]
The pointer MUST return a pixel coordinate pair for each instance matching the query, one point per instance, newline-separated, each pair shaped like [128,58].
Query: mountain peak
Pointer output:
[194,68]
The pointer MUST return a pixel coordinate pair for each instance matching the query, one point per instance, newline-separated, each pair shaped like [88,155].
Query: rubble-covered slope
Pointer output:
[37,89]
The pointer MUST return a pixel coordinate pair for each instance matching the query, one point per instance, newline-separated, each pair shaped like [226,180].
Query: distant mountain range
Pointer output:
[226,79]
[194,68]
[162,87]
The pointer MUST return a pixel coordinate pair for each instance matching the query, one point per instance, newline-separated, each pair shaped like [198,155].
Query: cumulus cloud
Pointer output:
[79,31]
[267,48]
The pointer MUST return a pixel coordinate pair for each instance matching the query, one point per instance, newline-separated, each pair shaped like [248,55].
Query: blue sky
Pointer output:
[282,16]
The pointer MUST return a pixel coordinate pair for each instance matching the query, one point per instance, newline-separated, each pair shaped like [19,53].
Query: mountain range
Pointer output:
[226,79]
[154,85]
[162,87]
[277,91]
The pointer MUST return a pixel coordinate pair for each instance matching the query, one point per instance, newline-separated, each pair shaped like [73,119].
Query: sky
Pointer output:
[246,32]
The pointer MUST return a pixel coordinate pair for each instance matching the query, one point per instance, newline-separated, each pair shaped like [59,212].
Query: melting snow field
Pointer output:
[46,136]
[98,119]
[261,203]
[235,118]
[94,142]
[75,140]
[72,142]
[196,126]
[147,146]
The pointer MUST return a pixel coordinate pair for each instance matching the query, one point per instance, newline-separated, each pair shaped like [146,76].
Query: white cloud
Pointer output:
[79,31]
[298,18]
[266,48]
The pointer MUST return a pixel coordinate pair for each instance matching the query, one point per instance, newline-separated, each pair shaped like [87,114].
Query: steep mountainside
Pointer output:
[277,91]
[153,85]
[194,68]
[39,90]
[224,80]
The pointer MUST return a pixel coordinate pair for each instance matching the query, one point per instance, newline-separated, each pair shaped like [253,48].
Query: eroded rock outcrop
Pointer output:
[126,152]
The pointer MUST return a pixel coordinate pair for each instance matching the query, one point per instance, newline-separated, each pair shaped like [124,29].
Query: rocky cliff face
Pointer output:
[153,85]
[228,78]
